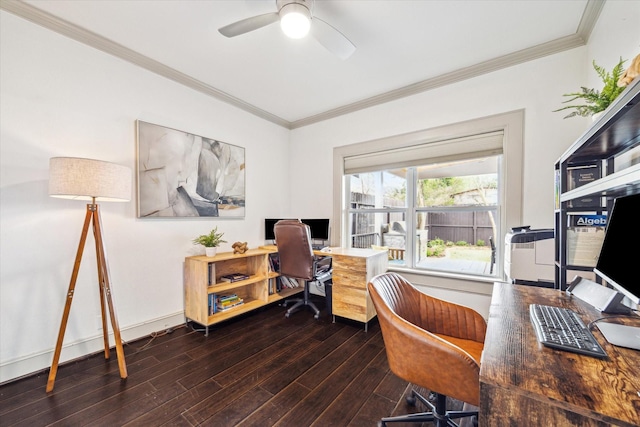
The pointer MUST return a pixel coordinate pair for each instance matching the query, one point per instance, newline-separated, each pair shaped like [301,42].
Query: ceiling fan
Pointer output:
[296,19]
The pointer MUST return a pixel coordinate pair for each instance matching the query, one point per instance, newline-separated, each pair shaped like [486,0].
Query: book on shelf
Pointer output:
[212,304]
[289,282]
[585,235]
[211,274]
[580,175]
[218,303]
[274,263]
[228,298]
[233,277]
[230,306]
[225,302]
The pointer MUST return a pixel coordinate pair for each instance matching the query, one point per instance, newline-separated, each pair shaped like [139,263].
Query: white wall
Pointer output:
[61,98]
[536,87]
[615,36]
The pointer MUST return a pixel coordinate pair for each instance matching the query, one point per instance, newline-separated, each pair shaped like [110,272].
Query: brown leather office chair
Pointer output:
[430,343]
[297,260]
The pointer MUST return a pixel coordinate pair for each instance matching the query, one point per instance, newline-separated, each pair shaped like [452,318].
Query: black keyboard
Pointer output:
[563,329]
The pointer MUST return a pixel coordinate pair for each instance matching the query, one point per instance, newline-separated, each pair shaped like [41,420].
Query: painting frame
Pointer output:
[184,175]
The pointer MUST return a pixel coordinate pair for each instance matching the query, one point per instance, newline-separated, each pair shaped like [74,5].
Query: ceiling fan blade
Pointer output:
[249,24]
[332,39]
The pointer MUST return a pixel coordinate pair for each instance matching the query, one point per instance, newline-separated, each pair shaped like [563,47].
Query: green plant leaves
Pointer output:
[211,240]
[596,101]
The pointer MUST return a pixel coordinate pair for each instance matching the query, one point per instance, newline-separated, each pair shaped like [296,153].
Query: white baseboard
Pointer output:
[33,363]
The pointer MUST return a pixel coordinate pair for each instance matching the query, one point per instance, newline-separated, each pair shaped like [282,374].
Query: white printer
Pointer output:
[529,256]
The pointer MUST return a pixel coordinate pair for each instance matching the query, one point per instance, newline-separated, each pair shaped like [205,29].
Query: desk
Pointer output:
[526,384]
[352,270]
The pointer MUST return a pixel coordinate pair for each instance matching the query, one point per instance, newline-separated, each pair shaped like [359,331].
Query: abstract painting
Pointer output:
[185,175]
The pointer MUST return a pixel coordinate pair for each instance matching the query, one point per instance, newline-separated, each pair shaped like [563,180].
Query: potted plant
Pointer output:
[596,101]
[210,241]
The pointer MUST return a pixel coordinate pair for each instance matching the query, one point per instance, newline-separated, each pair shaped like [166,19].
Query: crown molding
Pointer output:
[46,20]
[589,18]
[96,41]
[549,48]
[587,22]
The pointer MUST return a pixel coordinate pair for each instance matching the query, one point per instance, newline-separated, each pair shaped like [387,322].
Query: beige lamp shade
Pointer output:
[87,179]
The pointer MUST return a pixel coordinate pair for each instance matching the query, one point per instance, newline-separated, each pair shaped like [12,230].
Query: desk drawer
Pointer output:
[350,271]
[352,303]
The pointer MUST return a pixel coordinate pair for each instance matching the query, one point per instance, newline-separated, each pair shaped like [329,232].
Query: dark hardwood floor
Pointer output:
[260,369]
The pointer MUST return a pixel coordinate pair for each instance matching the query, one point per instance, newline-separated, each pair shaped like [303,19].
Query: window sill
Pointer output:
[482,285]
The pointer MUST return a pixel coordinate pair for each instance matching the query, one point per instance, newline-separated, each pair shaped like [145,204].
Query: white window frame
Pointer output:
[510,197]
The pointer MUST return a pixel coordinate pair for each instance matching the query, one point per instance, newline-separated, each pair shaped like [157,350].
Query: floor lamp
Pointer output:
[93,181]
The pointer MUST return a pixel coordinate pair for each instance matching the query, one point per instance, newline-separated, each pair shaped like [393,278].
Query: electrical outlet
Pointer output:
[99,322]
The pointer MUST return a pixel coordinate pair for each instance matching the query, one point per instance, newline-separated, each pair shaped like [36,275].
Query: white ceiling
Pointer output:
[403,46]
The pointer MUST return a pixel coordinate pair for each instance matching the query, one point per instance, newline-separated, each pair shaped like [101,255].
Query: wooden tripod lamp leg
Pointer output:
[101,279]
[67,307]
[103,274]
[93,214]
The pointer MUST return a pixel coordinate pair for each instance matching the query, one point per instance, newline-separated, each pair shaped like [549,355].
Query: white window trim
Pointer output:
[510,123]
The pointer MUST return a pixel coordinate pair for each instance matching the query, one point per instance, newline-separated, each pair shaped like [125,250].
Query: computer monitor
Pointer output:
[618,260]
[268,228]
[319,228]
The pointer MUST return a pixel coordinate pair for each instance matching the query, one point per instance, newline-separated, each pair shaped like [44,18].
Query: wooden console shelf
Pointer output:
[202,278]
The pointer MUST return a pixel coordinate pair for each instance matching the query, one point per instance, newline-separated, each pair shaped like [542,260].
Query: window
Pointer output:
[439,204]
[452,208]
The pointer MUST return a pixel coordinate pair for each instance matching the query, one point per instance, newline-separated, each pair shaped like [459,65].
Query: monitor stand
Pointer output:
[607,300]
[621,335]
[600,297]
[317,246]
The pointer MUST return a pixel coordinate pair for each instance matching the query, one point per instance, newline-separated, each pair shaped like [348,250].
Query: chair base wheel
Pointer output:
[411,400]
[438,414]
[300,303]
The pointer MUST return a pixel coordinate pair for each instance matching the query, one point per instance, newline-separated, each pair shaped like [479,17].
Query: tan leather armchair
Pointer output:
[430,343]
[297,260]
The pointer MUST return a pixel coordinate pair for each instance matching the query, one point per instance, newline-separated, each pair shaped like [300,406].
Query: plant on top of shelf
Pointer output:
[596,101]
[211,240]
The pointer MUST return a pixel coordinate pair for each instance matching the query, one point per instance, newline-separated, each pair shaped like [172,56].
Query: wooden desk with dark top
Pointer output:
[523,383]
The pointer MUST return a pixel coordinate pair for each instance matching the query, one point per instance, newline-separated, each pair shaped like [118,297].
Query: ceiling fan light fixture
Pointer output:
[295,20]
